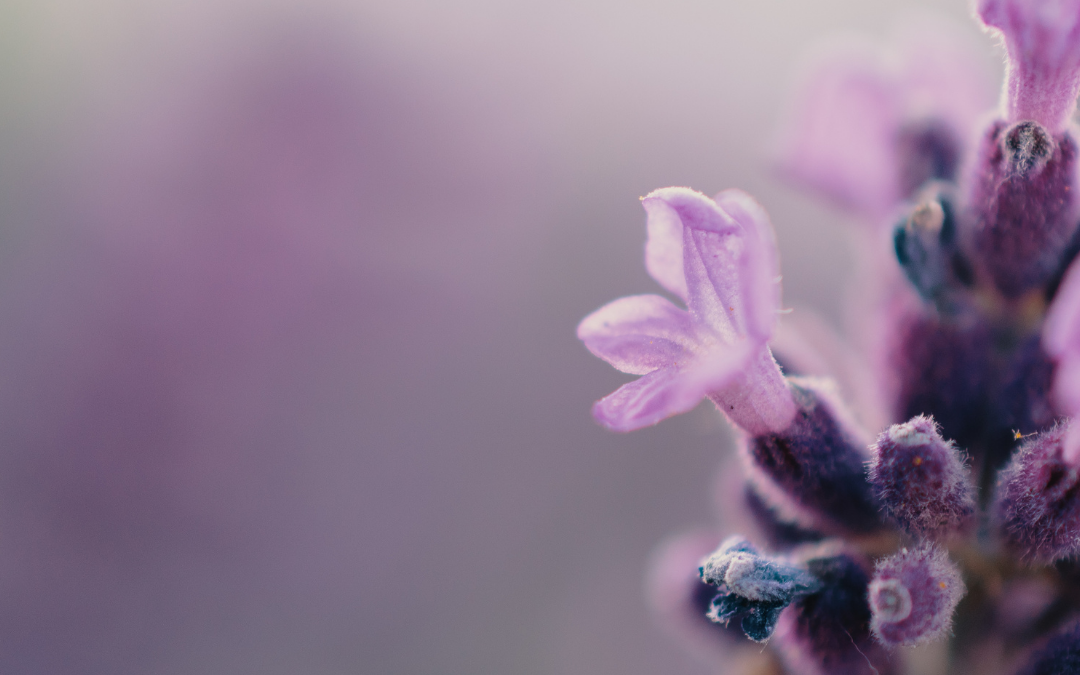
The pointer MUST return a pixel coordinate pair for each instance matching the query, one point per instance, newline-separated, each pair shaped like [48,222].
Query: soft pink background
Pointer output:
[288,375]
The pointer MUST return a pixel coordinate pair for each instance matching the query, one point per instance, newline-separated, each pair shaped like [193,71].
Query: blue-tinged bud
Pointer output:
[1021,212]
[1060,655]
[753,588]
[920,480]
[913,596]
[828,632]
[737,566]
[812,473]
[1037,505]
[926,247]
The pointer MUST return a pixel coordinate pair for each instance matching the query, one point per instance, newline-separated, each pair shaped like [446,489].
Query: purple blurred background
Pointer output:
[288,375]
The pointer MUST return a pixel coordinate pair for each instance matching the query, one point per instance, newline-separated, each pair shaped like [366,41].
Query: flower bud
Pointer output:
[1021,210]
[753,587]
[913,595]
[920,479]
[1037,506]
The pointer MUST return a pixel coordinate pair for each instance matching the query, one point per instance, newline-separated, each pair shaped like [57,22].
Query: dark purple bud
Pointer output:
[928,150]
[913,595]
[1037,505]
[1060,655]
[1021,212]
[812,473]
[943,368]
[753,587]
[828,632]
[920,479]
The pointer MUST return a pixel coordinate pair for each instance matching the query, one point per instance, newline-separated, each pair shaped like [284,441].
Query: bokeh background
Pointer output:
[288,375]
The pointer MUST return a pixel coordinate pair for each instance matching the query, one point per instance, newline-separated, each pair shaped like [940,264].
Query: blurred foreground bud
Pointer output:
[913,595]
[920,480]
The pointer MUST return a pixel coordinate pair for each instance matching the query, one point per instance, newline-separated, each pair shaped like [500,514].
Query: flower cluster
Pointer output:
[960,523]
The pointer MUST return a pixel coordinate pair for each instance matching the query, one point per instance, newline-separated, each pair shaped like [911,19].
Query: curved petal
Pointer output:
[670,211]
[645,401]
[839,137]
[639,334]
[669,391]
[1043,41]
[759,268]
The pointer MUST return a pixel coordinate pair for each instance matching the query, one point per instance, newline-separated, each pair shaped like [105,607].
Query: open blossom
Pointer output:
[974,480]
[719,257]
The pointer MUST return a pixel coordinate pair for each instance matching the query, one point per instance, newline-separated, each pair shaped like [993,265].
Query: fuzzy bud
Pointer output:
[913,595]
[1037,506]
[1022,213]
[920,479]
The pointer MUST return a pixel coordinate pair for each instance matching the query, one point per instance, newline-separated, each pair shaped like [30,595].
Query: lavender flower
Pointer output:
[719,257]
[974,338]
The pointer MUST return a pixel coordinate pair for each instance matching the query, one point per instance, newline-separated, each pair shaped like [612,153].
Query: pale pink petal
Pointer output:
[711,245]
[759,267]
[840,133]
[670,391]
[645,401]
[1043,41]
[639,334]
[664,247]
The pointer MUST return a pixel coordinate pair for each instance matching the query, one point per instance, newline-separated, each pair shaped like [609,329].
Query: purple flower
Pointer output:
[718,257]
[913,595]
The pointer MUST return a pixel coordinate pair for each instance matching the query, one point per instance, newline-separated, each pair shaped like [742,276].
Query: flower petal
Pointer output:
[645,401]
[670,210]
[759,268]
[1043,41]
[639,334]
[672,391]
